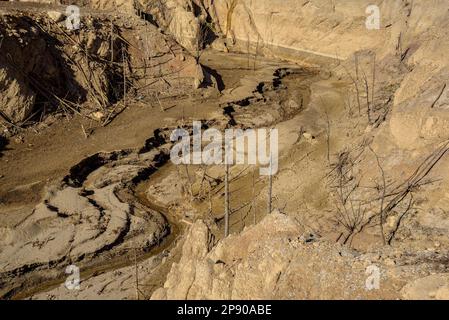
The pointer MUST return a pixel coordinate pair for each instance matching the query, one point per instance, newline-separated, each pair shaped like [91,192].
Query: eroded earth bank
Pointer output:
[86,178]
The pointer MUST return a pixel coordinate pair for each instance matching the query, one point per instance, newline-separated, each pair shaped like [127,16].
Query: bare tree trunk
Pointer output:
[382,198]
[381,215]
[399,45]
[189,181]
[137,274]
[112,43]
[374,79]
[254,197]
[226,227]
[210,199]
[270,188]
[355,81]
[247,49]
[368,106]
[257,52]
[124,78]
[328,137]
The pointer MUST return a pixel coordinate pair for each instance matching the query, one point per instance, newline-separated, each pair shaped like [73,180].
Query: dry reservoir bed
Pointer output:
[99,216]
[86,180]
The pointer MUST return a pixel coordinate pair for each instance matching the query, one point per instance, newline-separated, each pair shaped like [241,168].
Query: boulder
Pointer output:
[56,16]
[428,288]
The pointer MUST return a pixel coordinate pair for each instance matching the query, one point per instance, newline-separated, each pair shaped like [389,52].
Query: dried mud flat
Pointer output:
[99,216]
[85,175]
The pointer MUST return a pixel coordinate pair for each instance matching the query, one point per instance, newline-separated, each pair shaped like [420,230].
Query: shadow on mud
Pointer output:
[3,143]
[209,73]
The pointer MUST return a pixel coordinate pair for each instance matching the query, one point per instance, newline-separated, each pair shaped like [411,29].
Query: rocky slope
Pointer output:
[414,31]
[405,57]
[370,133]
[278,259]
[49,68]
[397,75]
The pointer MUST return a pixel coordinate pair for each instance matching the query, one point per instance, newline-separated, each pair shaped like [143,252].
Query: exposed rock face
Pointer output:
[292,29]
[125,6]
[122,5]
[42,1]
[272,260]
[276,259]
[56,16]
[45,64]
[176,17]
[37,68]
[185,25]
[16,98]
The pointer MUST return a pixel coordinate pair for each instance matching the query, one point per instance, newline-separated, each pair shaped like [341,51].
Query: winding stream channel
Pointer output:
[101,218]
